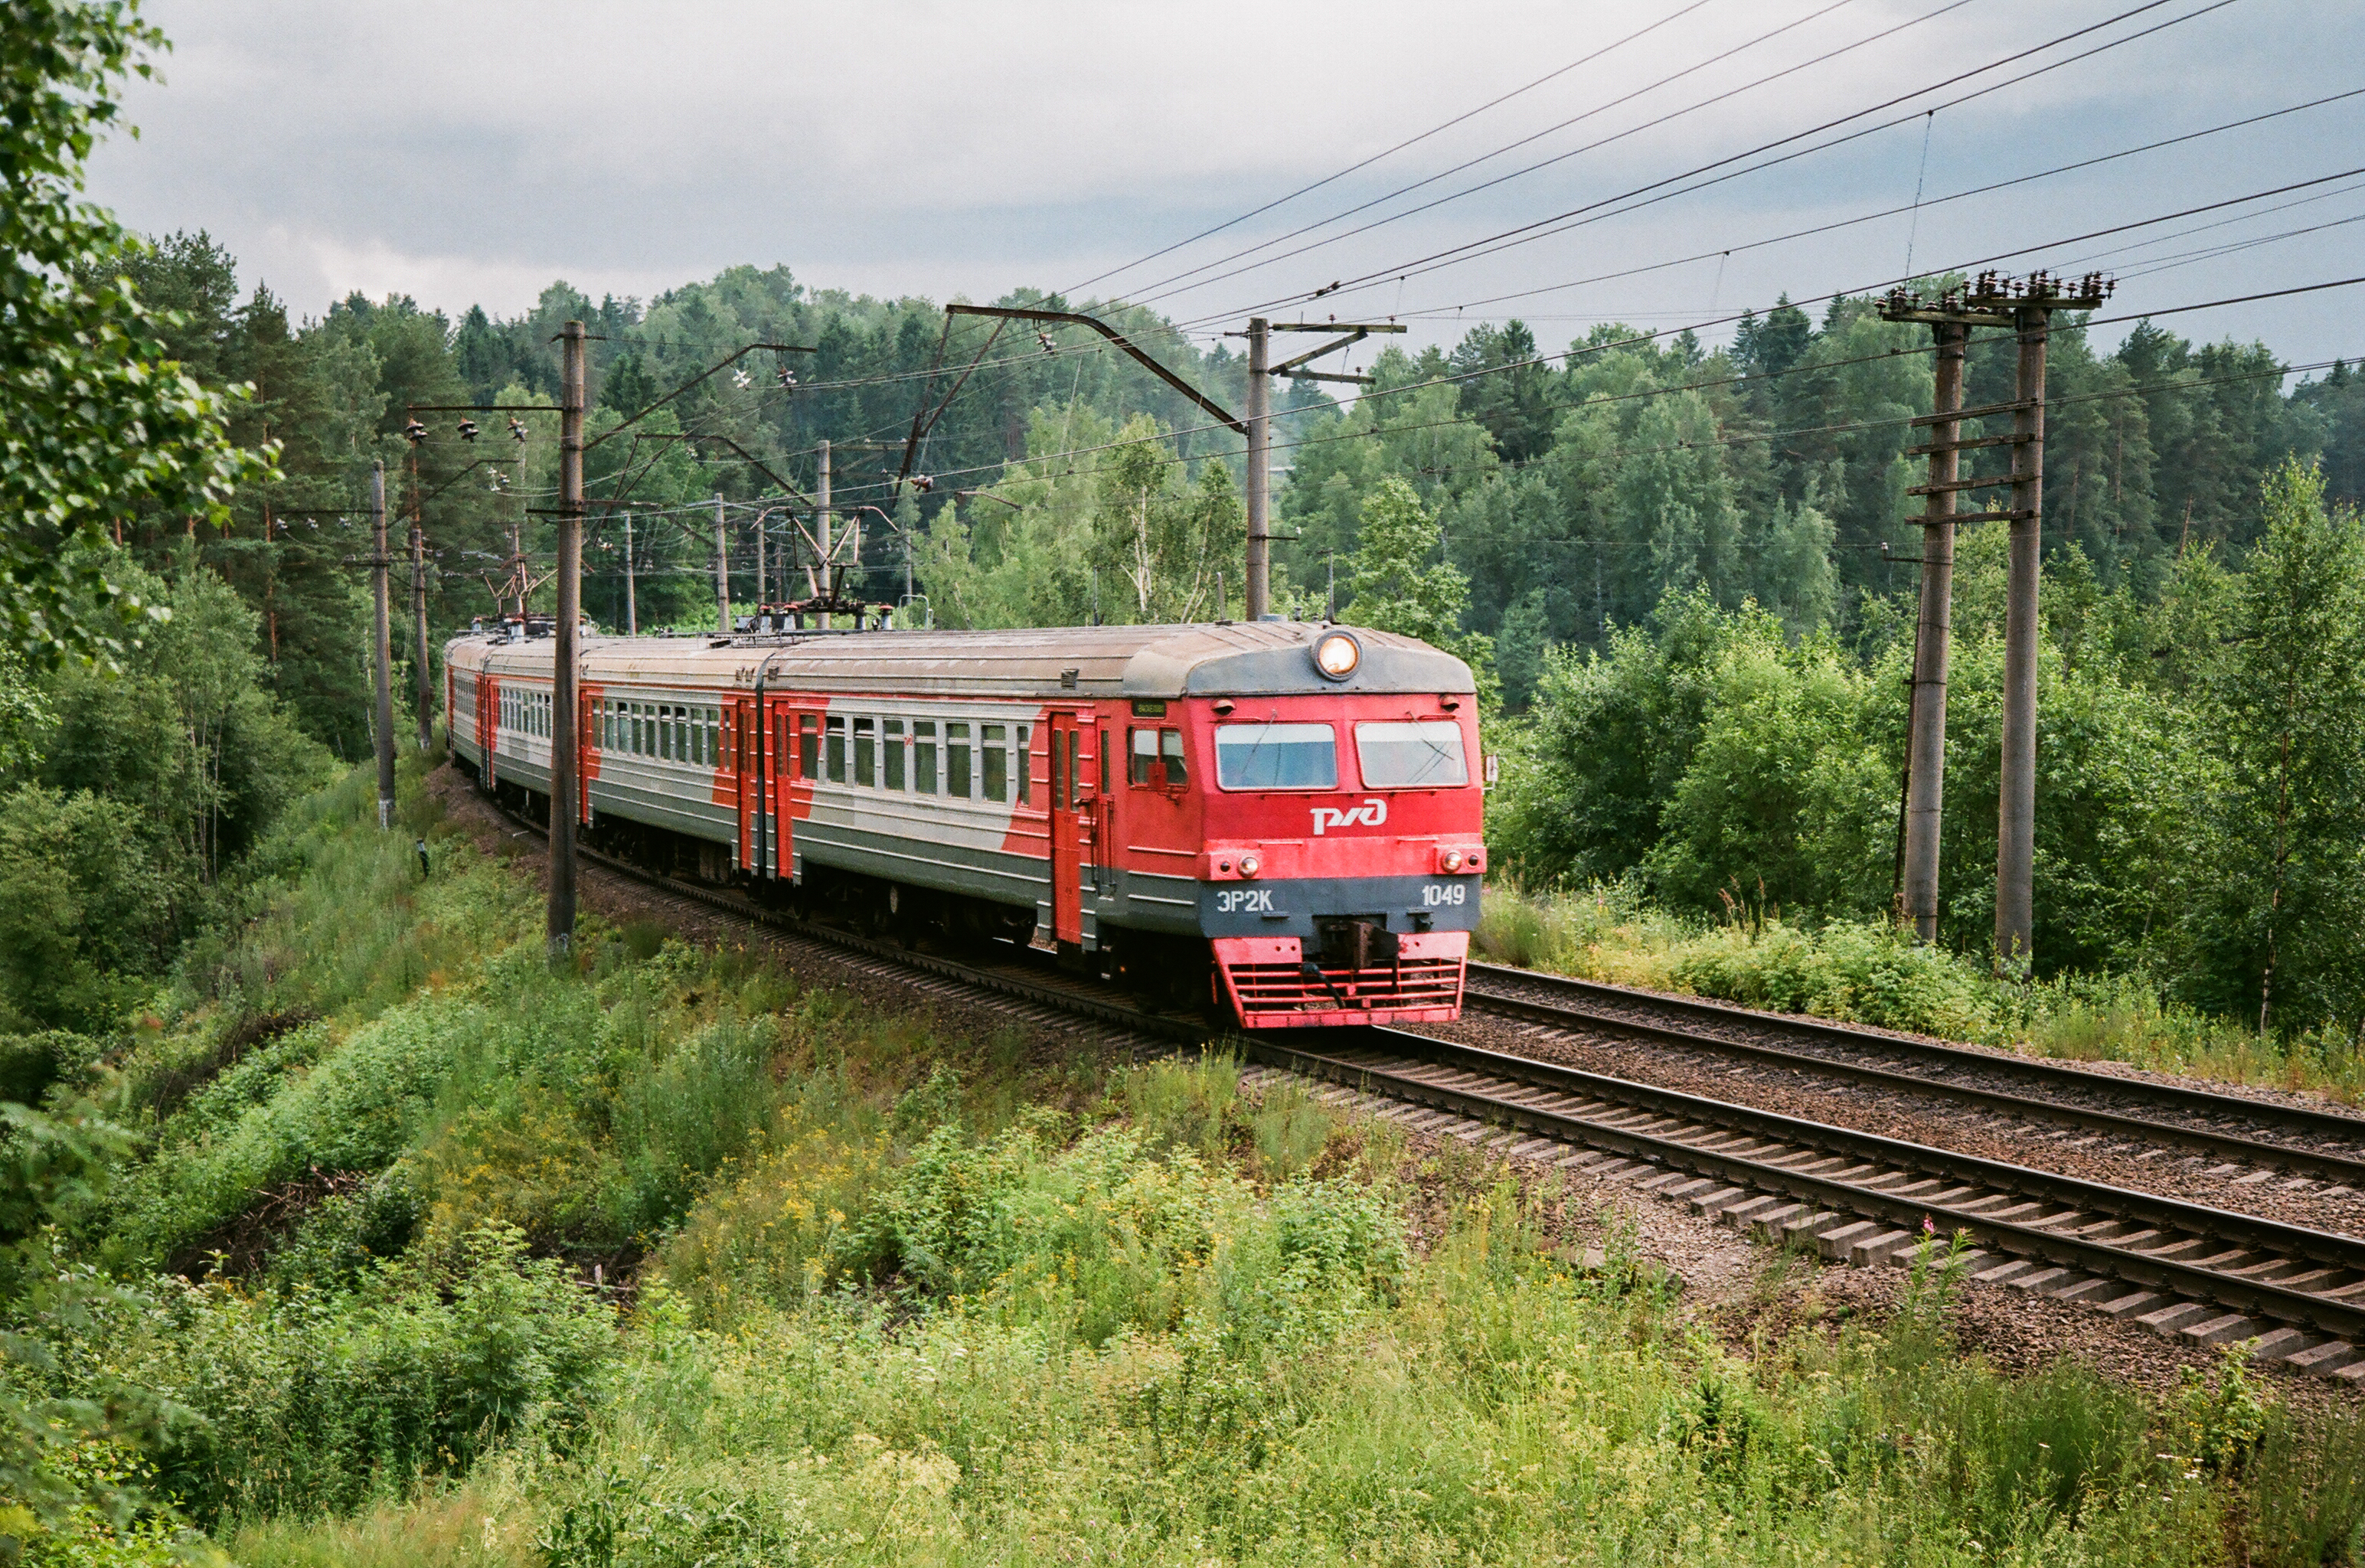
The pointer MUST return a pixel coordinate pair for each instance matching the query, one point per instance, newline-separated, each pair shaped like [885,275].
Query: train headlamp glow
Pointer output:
[1250,864]
[1452,860]
[1337,654]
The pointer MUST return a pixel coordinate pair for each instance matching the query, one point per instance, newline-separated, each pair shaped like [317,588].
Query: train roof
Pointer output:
[1267,658]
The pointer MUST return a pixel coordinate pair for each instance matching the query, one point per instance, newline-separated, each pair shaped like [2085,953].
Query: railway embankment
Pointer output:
[714,1244]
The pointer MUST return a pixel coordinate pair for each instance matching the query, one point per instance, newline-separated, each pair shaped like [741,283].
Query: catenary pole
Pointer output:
[564,804]
[382,661]
[632,608]
[821,527]
[419,624]
[721,570]
[1260,471]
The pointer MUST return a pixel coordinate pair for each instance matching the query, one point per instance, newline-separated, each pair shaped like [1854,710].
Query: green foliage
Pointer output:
[94,418]
[316,1403]
[1129,540]
[2286,717]
[1396,588]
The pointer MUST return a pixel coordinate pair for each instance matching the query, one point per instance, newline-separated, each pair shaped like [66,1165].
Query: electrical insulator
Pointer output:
[468,429]
[517,430]
[414,432]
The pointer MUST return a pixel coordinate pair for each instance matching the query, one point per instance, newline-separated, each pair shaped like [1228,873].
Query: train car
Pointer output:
[1280,818]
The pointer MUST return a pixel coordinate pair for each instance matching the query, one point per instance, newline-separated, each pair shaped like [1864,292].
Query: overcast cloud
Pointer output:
[472,154]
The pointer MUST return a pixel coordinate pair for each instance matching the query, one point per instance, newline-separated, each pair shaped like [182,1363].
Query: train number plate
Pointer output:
[1439,894]
[1245,900]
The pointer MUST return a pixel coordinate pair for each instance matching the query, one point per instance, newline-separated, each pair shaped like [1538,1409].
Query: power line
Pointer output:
[1573,354]
[1563,124]
[1391,152]
[1893,211]
[1639,197]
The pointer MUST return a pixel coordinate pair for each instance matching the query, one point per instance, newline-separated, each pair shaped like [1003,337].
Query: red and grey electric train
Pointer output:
[1282,818]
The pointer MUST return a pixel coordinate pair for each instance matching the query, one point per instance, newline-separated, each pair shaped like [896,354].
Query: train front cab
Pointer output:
[1340,847]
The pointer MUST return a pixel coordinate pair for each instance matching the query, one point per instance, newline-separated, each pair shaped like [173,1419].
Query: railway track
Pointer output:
[2185,1270]
[2254,1138]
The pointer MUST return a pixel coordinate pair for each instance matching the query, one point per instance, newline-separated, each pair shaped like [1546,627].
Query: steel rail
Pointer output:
[2337,1317]
[2195,1102]
[2251,1151]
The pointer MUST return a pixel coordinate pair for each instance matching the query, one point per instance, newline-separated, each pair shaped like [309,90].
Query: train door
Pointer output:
[1072,824]
[797,754]
[488,692]
[746,747]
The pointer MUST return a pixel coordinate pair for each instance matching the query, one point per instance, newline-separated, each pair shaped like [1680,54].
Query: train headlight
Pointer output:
[1337,654]
[1250,864]
[1452,860]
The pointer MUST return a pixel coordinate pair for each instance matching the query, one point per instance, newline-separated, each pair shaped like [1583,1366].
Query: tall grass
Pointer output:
[1872,974]
[890,1297]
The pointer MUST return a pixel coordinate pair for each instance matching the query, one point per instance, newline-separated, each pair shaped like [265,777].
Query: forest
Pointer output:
[1677,567]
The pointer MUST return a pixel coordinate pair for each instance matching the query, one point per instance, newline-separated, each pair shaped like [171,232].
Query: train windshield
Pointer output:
[1276,756]
[1426,754]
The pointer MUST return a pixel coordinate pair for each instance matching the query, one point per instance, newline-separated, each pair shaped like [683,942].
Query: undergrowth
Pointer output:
[665,1257]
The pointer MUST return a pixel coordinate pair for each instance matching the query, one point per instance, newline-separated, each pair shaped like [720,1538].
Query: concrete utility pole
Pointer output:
[382,662]
[632,608]
[759,562]
[2027,308]
[419,624]
[2015,916]
[564,805]
[820,528]
[721,570]
[1260,475]
[1950,320]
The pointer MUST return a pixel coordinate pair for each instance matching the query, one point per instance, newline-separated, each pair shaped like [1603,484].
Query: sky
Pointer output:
[471,154]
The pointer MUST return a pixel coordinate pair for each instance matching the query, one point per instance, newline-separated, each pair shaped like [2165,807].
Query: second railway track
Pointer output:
[2206,1275]
[2264,1136]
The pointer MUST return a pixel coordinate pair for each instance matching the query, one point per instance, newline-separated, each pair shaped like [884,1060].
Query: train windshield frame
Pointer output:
[1415,754]
[1276,756]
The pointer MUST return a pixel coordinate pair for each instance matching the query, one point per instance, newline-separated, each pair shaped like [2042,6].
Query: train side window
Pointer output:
[1076,792]
[808,746]
[993,760]
[923,756]
[1105,765]
[865,752]
[1170,750]
[714,737]
[1059,795]
[890,753]
[1142,759]
[833,749]
[1026,760]
[957,759]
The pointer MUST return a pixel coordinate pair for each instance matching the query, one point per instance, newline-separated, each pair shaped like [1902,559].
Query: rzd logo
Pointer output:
[1371,814]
